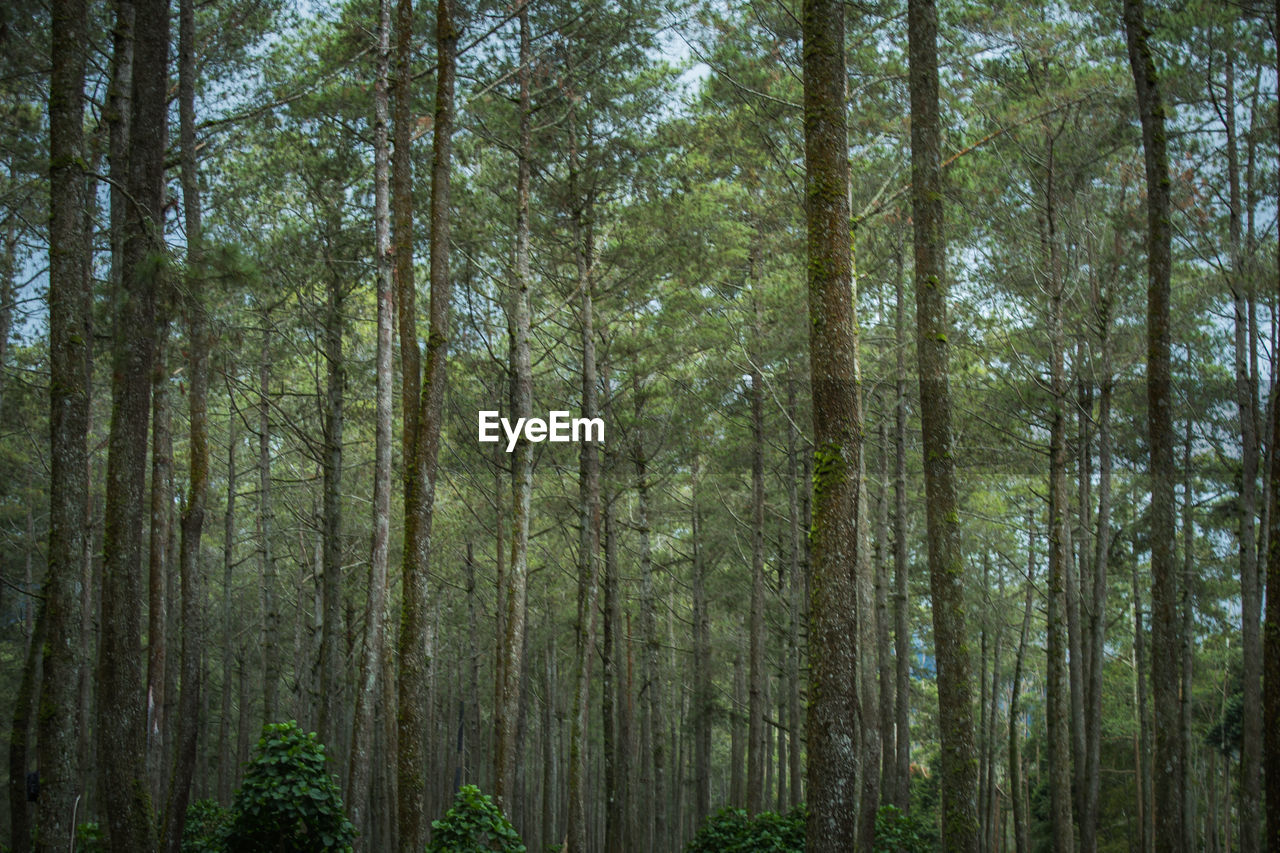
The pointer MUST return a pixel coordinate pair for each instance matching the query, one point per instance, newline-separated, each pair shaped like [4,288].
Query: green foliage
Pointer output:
[731,831]
[287,802]
[474,824]
[90,838]
[897,832]
[207,822]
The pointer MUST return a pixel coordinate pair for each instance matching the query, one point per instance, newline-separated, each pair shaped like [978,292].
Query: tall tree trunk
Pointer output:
[835,716]
[1271,627]
[588,507]
[884,663]
[363,731]
[901,586]
[270,650]
[515,595]
[1142,740]
[795,589]
[331,581]
[614,751]
[121,718]
[416,651]
[703,695]
[1020,808]
[756,674]
[946,563]
[70,336]
[227,764]
[188,724]
[158,569]
[1101,560]
[1165,657]
[20,738]
[1247,507]
[1060,694]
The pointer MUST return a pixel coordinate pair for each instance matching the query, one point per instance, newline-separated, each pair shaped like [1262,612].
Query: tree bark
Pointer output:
[835,716]
[363,732]
[188,724]
[331,581]
[516,593]
[588,507]
[227,764]
[158,569]
[1019,808]
[946,562]
[70,339]
[1101,562]
[20,737]
[756,675]
[416,651]
[121,717]
[1059,711]
[1165,658]
[901,585]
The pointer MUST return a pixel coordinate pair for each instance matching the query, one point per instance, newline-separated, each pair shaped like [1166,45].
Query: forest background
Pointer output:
[260,268]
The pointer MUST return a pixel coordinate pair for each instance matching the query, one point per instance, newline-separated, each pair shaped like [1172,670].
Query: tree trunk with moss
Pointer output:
[958,776]
[834,717]
[1165,645]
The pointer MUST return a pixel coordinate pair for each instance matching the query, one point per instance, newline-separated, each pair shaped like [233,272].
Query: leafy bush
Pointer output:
[287,802]
[206,822]
[90,838]
[731,831]
[472,825]
[897,832]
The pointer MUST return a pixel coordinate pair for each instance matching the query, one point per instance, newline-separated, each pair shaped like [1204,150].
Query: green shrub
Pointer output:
[287,802]
[897,832]
[207,821]
[731,831]
[90,838]
[472,825]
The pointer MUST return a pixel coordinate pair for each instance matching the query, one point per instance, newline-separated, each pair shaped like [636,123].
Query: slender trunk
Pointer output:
[363,729]
[1142,742]
[416,649]
[614,762]
[20,738]
[795,589]
[1060,675]
[1271,627]
[946,564]
[70,334]
[158,569]
[755,629]
[1250,595]
[901,586]
[121,717]
[1167,795]
[227,765]
[737,737]
[888,736]
[1022,841]
[1101,560]
[198,344]
[835,716]
[515,595]
[270,649]
[588,510]
[331,581]
[703,695]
